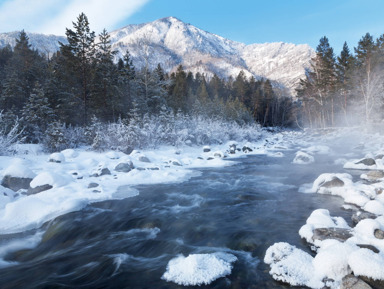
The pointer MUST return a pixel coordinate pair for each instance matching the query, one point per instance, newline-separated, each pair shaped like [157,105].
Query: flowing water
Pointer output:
[240,209]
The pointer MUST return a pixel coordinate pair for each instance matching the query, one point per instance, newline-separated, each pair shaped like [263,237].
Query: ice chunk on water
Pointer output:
[197,269]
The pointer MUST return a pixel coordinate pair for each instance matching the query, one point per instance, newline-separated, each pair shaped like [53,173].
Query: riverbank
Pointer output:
[346,256]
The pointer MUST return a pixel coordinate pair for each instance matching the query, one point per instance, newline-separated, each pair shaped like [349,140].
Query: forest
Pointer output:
[346,90]
[85,85]
[86,94]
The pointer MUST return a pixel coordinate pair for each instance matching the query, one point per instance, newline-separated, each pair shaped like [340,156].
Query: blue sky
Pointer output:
[248,21]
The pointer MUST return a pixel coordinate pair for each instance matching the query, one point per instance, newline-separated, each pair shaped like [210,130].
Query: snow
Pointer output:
[199,269]
[303,158]
[50,178]
[364,262]
[335,259]
[320,218]
[19,168]
[70,179]
[57,158]
[291,265]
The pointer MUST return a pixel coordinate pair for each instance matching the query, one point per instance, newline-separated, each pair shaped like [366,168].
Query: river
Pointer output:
[241,209]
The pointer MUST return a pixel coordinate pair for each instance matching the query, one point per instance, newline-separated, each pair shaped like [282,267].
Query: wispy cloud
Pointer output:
[53,16]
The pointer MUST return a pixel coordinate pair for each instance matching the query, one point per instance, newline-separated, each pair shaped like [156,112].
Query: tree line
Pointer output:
[346,89]
[85,80]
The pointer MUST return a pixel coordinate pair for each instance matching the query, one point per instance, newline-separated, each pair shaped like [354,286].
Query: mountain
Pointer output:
[47,44]
[171,42]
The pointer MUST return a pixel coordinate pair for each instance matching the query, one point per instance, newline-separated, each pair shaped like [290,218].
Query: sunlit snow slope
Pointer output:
[171,42]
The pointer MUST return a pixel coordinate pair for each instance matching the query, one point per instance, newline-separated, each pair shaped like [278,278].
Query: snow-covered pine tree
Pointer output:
[36,115]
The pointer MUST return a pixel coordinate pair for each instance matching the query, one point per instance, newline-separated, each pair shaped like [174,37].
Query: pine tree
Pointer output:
[344,65]
[105,100]
[23,69]
[80,55]
[36,115]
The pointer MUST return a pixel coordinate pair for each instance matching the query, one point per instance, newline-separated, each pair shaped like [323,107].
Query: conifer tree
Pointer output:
[36,115]
[368,76]
[344,65]
[80,55]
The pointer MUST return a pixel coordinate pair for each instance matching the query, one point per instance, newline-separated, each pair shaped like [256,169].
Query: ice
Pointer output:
[199,269]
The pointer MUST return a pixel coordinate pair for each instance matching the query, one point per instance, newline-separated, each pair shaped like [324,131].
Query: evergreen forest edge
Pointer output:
[82,96]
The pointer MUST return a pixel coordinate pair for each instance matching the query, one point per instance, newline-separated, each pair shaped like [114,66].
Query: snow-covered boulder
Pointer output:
[363,164]
[48,180]
[101,170]
[124,167]
[17,176]
[291,265]
[373,176]
[303,158]
[56,158]
[70,153]
[144,159]
[320,219]
[247,149]
[206,149]
[112,155]
[199,269]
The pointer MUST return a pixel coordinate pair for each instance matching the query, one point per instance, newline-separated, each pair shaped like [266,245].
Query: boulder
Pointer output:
[15,183]
[373,175]
[144,159]
[352,282]
[206,149]
[39,189]
[339,234]
[124,167]
[176,163]
[93,185]
[375,284]
[219,155]
[361,215]
[232,149]
[334,182]
[379,234]
[303,158]
[369,247]
[56,158]
[247,149]
[367,162]
[101,171]
[379,156]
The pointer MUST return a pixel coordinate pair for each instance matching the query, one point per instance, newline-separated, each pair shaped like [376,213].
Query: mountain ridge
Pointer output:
[171,42]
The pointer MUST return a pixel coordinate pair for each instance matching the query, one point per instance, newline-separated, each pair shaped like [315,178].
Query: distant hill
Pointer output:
[171,42]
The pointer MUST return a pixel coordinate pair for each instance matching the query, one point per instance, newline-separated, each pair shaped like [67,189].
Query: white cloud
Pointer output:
[53,16]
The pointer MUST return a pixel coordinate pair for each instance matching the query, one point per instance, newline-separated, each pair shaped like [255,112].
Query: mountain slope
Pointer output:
[171,42]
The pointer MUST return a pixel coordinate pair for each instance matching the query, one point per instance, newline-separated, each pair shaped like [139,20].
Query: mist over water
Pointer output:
[241,209]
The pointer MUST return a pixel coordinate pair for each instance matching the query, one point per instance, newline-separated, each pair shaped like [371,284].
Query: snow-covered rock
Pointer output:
[56,158]
[199,269]
[17,176]
[303,158]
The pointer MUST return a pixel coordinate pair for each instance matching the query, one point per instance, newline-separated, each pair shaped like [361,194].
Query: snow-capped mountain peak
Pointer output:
[171,42]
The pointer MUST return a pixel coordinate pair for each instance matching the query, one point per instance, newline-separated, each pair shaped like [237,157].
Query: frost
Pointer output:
[198,269]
